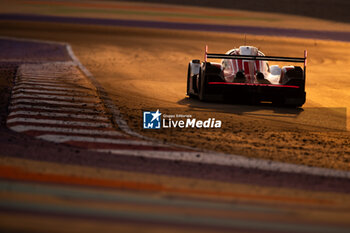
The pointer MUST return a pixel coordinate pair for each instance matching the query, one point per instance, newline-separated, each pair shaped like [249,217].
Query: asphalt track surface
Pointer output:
[55,185]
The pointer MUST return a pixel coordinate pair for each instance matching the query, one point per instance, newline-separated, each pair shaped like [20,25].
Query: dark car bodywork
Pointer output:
[244,75]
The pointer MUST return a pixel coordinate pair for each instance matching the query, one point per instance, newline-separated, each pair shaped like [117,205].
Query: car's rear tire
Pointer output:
[188,80]
[188,91]
[202,86]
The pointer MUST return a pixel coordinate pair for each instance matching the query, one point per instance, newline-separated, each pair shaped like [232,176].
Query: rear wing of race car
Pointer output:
[257,58]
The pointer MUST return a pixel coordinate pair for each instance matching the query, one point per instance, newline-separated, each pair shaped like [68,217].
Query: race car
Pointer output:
[244,75]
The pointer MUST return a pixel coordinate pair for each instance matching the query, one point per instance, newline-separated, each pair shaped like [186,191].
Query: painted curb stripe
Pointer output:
[24,128]
[57,80]
[33,86]
[36,83]
[35,133]
[56,97]
[64,99]
[66,138]
[19,107]
[10,125]
[56,118]
[47,92]
[64,103]
[57,114]
[58,122]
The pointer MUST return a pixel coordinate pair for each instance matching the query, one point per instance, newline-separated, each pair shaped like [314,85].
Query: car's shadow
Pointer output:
[241,108]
